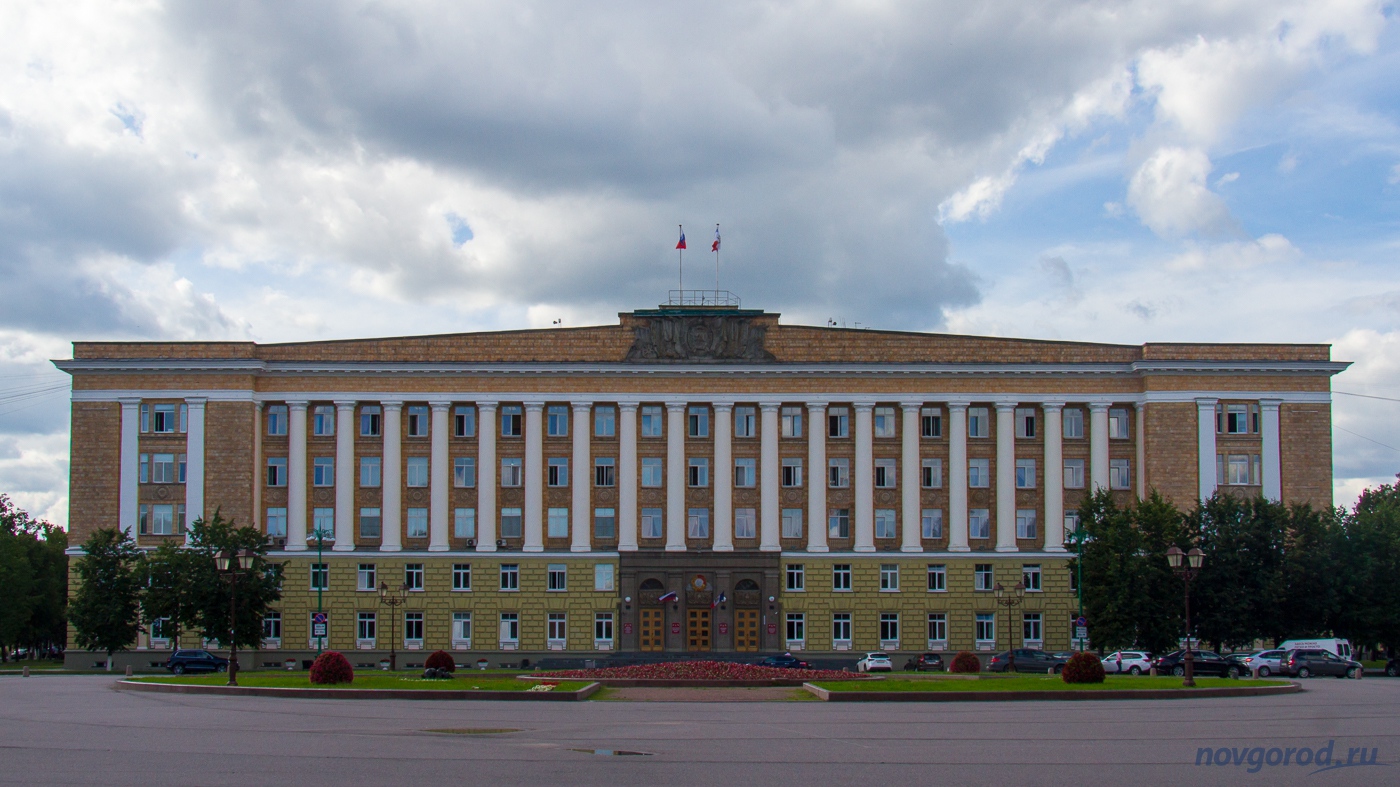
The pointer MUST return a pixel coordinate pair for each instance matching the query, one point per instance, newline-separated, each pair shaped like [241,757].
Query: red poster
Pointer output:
[724,628]
[676,628]
[772,628]
[626,628]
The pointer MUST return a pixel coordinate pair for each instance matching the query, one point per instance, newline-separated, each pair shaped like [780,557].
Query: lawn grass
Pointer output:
[1029,683]
[375,680]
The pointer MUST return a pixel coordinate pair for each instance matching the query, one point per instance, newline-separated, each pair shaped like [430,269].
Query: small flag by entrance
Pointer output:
[681,243]
[669,596]
[720,599]
[714,246]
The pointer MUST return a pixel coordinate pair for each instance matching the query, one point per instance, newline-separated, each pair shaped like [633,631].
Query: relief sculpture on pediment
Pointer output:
[698,338]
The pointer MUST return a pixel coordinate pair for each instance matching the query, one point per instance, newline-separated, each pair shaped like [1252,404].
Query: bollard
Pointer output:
[1152,671]
[128,670]
[26,670]
[1255,670]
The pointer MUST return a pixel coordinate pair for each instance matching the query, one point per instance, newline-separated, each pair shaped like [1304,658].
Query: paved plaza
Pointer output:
[78,730]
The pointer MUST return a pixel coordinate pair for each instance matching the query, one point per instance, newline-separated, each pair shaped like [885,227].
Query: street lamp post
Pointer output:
[1077,537]
[1010,600]
[1187,572]
[233,563]
[320,533]
[393,602]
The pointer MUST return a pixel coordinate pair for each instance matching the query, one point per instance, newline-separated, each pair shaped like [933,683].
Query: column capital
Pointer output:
[1051,406]
[1004,405]
[391,404]
[910,406]
[345,404]
[673,407]
[1139,405]
[722,406]
[200,401]
[439,406]
[769,407]
[581,407]
[297,404]
[1206,404]
[818,405]
[533,407]
[628,407]
[486,405]
[1098,407]
[863,405]
[1270,404]
[958,405]
[129,401]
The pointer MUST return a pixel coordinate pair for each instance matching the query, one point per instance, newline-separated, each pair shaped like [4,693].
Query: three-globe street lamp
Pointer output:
[321,535]
[1010,600]
[393,602]
[1188,572]
[233,563]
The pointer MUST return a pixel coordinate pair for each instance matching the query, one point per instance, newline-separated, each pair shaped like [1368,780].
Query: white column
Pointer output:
[194,461]
[864,480]
[1140,429]
[909,478]
[675,476]
[627,477]
[957,477]
[770,521]
[296,476]
[1054,477]
[1205,446]
[391,520]
[486,427]
[1272,458]
[129,482]
[581,517]
[534,477]
[344,476]
[1006,477]
[724,477]
[816,477]
[439,479]
[1098,446]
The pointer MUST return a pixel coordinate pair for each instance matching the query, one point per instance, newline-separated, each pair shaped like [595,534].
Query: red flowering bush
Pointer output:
[440,659]
[701,670]
[966,661]
[331,667]
[1083,668]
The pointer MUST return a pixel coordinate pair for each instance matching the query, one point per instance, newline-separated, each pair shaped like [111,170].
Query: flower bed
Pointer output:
[718,671]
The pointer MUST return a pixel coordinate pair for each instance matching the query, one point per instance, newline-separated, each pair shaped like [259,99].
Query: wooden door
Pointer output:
[698,629]
[746,629]
[653,629]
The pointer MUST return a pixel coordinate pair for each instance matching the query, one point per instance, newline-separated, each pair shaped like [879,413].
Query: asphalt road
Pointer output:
[78,730]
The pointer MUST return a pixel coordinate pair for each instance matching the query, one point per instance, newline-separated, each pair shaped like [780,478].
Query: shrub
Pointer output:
[331,667]
[966,661]
[1083,668]
[440,659]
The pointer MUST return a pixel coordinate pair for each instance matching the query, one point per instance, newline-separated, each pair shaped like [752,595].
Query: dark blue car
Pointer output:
[785,661]
[182,661]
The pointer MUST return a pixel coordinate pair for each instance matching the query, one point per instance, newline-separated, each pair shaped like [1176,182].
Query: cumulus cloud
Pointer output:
[1169,193]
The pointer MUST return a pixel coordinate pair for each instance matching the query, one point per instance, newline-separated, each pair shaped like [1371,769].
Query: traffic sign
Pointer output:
[318,631]
[318,617]
[1081,621]
[1081,633]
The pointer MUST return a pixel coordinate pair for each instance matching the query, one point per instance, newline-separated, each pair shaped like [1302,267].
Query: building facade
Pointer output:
[690,480]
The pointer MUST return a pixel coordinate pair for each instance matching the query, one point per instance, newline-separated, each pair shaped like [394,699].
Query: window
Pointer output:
[604,523]
[652,420]
[413,576]
[276,419]
[603,630]
[558,630]
[370,471]
[145,418]
[512,421]
[417,474]
[931,523]
[510,628]
[603,574]
[557,421]
[277,471]
[796,628]
[698,471]
[796,577]
[838,473]
[276,522]
[978,424]
[791,423]
[653,523]
[418,423]
[931,473]
[1025,523]
[370,418]
[886,476]
[462,577]
[792,523]
[697,523]
[510,576]
[413,628]
[1236,420]
[884,422]
[838,422]
[698,421]
[557,472]
[1030,577]
[792,472]
[1253,418]
[1118,423]
[937,580]
[511,523]
[744,422]
[1074,474]
[838,523]
[461,627]
[604,421]
[979,523]
[938,627]
[1073,422]
[884,523]
[1025,474]
[841,628]
[889,628]
[160,520]
[745,472]
[982,576]
[511,471]
[145,474]
[320,576]
[889,577]
[364,626]
[464,422]
[930,422]
[163,469]
[1238,469]
[464,471]
[558,526]
[841,576]
[1030,627]
[604,471]
[369,523]
[417,523]
[979,473]
[1025,423]
[558,577]
[1119,474]
[272,626]
[323,520]
[652,475]
[986,628]
[323,471]
[745,523]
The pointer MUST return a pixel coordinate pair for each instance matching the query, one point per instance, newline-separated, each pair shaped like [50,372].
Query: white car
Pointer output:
[1265,660]
[875,662]
[1134,662]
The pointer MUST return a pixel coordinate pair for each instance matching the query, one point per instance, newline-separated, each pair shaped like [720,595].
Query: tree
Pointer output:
[256,589]
[1237,592]
[1312,574]
[1368,609]
[105,609]
[33,580]
[172,578]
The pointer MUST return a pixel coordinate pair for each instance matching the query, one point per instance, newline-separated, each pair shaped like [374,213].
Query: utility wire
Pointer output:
[1368,396]
[1364,437]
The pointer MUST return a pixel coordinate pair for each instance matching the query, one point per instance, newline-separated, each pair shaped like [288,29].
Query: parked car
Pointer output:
[1307,662]
[786,661]
[1337,647]
[1132,662]
[875,662]
[1027,660]
[1266,660]
[1064,655]
[925,662]
[1392,667]
[1204,662]
[182,661]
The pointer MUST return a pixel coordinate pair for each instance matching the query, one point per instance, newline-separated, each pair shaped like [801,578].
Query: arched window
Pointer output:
[653,584]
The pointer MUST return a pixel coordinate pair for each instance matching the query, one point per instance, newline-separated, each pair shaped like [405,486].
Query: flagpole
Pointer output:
[716,267]
[680,263]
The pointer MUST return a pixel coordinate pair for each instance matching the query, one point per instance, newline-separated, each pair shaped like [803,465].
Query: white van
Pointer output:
[1338,647]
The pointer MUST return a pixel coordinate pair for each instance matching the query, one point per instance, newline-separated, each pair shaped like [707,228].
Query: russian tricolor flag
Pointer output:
[681,243]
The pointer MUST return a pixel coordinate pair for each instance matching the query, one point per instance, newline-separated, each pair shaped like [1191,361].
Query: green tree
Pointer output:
[173,578]
[256,589]
[1312,575]
[105,610]
[1235,598]
[1159,598]
[1368,609]
[33,580]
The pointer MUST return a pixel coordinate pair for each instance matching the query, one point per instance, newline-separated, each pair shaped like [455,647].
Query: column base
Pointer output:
[1002,548]
[1055,549]
[578,548]
[391,548]
[819,548]
[438,548]
[294,548]
[343,548]
[675,547]
[532,548]
[770,548]
[863,549]
[911,549]
[627,547]
[723,548]
[487,547]
[959,548]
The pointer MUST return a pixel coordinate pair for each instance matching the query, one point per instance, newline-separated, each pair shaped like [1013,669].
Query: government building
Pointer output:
[691,480]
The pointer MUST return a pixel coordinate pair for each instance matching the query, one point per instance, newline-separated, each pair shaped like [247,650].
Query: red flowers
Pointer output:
[331,667]
[700,670]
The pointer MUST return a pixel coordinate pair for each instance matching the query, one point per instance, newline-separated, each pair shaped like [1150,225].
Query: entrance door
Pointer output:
[698,631]
[653,629]
[746,629]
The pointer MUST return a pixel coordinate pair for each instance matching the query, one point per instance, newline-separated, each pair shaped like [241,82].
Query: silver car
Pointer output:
[875,662]
[1265,660]
[1133,662]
